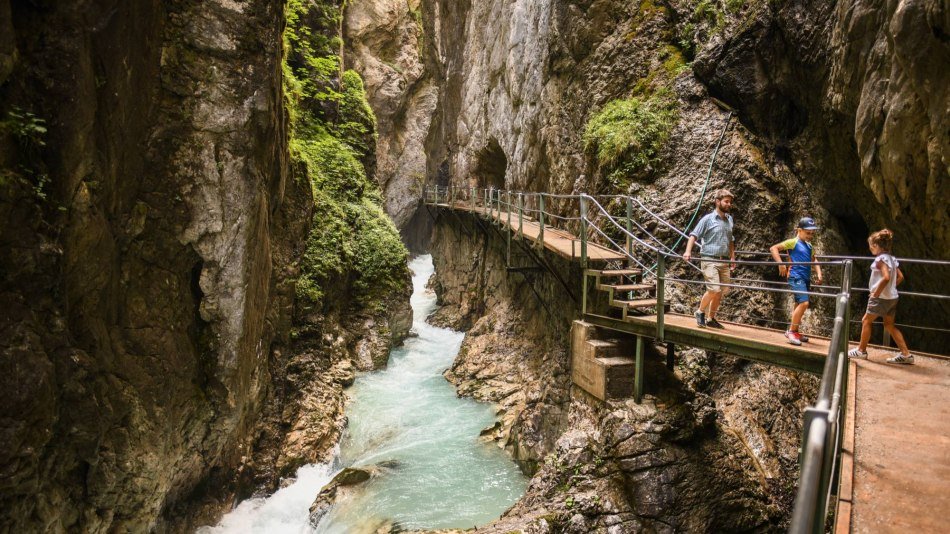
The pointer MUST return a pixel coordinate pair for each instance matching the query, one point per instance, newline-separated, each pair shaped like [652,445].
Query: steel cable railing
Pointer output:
[824,420]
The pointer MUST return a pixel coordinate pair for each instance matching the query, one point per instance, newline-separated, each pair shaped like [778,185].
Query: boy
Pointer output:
[799,276]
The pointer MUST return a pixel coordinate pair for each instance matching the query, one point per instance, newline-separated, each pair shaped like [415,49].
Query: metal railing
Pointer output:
[823,424]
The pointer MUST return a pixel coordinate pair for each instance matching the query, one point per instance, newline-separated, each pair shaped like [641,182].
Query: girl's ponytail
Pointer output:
[884,239]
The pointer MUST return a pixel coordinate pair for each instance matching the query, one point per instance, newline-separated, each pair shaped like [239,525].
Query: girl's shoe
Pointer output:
[907,359]
[857,353]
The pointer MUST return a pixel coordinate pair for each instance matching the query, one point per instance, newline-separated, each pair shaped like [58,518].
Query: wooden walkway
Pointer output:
[895,474]
[558,241]
[750,342]
[895,468]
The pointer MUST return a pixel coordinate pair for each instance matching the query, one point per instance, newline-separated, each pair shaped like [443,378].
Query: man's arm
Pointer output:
[732,255]
[689,247]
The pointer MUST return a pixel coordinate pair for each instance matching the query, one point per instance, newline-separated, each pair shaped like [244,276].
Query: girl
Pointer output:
[885,275]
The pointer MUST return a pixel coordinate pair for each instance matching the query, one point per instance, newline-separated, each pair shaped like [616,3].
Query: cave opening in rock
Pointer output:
[491,165]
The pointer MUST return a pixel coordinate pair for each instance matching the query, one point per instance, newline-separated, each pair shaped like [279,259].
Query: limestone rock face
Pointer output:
[135,333]
[386,43]
[858,92]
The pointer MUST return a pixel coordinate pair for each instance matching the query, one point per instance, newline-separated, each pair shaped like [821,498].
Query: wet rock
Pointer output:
[330,493]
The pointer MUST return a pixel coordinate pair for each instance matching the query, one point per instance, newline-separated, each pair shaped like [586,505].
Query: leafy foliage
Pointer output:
[627,134]
[352,243]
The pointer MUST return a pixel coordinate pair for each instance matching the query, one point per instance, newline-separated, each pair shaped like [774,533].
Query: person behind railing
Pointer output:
[801,253]
[885,275]
[714,233]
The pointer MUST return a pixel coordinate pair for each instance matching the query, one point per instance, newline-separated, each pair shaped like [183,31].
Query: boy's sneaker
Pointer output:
[712,323]
[793,337]
[857,353]
[700,319]
[802,337]
[907,359]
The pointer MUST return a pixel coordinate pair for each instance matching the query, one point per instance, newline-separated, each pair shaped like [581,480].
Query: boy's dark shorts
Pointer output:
[882,307]
[799,284]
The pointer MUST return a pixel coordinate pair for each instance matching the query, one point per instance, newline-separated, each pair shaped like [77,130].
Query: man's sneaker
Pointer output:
[712,323]
[700,319]
[793,337]
[907,359]
[857,353]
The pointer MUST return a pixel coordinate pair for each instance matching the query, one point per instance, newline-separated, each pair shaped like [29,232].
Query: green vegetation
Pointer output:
[627,134]
[352,243]
[29,131]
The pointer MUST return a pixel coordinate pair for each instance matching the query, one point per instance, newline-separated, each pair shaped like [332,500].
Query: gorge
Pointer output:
[209,207]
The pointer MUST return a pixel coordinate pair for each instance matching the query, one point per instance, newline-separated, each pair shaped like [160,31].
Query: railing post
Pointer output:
[541,220]
[491,204]
[521,216]
[508,228]
[583,200]
[660,294]
[846,290]
[629,229]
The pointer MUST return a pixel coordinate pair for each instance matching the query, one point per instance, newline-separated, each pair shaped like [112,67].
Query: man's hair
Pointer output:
[723,193]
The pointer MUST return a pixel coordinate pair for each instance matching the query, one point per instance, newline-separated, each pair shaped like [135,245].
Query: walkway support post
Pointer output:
[583,200]
[521,216]
[660,294]
[638,378]
[471,194]
[451,195]
[508,227]
[541,220]
[670,353]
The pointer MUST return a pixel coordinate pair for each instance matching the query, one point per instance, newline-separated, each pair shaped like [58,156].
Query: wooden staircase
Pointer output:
[625,290]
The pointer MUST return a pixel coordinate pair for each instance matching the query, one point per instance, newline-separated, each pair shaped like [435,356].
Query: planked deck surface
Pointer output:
[899,479]
[749,342]
[555,240]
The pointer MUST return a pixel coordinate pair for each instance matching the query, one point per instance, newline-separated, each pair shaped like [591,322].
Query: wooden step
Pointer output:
[618,272]
[631,287]
[637,303]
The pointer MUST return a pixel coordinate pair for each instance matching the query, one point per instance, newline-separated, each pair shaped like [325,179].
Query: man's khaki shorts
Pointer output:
[715,274]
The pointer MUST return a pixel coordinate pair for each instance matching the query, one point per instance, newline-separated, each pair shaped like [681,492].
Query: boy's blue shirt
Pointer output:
[799,251]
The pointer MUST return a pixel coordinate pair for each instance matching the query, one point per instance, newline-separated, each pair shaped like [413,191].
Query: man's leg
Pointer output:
[714,304]
[704,302]
[722,275]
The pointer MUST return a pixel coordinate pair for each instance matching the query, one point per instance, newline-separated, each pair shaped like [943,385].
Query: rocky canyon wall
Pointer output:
[185,288]
[838,112]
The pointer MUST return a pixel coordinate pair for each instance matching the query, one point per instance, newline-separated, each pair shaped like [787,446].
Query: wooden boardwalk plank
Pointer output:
[901,445]
[556,240]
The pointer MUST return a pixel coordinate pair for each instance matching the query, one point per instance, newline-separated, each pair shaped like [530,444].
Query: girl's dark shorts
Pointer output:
[882,307]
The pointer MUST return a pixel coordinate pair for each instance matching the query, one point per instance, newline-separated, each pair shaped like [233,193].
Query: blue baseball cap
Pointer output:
[807,223]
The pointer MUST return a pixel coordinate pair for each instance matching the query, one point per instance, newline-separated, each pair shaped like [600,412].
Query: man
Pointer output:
[714,233]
